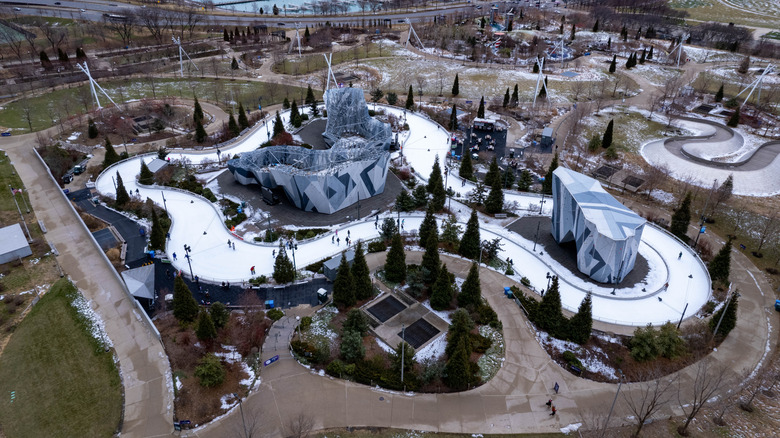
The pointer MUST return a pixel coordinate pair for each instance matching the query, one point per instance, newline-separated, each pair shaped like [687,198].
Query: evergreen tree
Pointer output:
[454,119]
[628,62]
[460,330]
[581,324]
[441,293]
[734,120]
[613,64]
[344,285]
[644,344]
[526,181]
[729,319]
[121,192]
[466,170]
[549,316]
[286,103]
[404,202]
[410,99]
[719,94]
[284,271]
[606,139]
[609,43]
[92,130]
[243,121]
[146,177]
[428,227]
[361,274]
[220,315]
[508,178]
[278,125]
[197,113]
[515,97]
[388,228]
[681,218]
[720,265]
[495,200]
[356,322]
[234,64]
[471,292]
[111,156]
[157,237]
[204,329]
[185,308]
[547,183]
[435,177]
[406,351]
[310,99]
[450,231]
[314,110]
[45,62]
[596,26]
[650,55]
[420,196]
[431,261]
[233,128]
[543,89]
[395,266]
[295,116]
[352,349]
[225,35]
[200,132]
[573,31]
[306,35]
[439,197]
[470,242]
[481,109]
[392,98]
[506,99]
[455,86]
[493,173]
[482,23]
[458,368]
[668,341]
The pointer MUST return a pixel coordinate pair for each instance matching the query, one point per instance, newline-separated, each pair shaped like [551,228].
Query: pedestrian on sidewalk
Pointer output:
[549,403]
[553,411]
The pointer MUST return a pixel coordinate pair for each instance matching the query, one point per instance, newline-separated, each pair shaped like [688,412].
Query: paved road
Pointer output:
[146,375]
[512,402]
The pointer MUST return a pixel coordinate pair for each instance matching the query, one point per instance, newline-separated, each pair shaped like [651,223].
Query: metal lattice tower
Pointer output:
[756,84]
[93,83]
[296,39]
[177,41]
[679,49]
[409,36]
[539,79]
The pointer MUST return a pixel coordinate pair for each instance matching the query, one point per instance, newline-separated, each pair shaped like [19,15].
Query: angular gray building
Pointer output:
[606,232]
[325,181]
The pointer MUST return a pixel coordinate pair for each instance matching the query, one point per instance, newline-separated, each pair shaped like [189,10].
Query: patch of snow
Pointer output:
[434,349]
[93,321]
[571,428]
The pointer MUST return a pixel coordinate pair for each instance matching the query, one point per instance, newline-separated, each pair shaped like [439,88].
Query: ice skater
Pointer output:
[332,239]
[174,256]
[679,256]
[338,241]
[376,222]
[252,270]
[234,245]
[273,253]
[402,224]
[228,243]
[348,234]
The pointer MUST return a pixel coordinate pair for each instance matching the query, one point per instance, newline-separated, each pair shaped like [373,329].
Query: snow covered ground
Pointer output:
[197,223]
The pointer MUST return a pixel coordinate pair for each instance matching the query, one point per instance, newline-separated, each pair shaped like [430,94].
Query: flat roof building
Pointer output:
[13,244]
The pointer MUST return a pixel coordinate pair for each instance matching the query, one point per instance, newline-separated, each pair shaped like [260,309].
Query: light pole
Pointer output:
[165,204]
[620,383]
[701,222]
[187,256]
[549,278]
[690,276]
[403,345]
[294,247]
[620,272]
[241,408]
[536,238]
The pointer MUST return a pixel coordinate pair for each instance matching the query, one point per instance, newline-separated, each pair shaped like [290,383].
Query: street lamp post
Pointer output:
[620,272]
[403,345]
[294,247]
[620,383]
[690,276]
[536,238]
[187,256]
[549,278]
[241,408]
[165,204]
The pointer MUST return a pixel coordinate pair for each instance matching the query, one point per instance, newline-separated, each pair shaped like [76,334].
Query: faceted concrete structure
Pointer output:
[354,168]
[607,234]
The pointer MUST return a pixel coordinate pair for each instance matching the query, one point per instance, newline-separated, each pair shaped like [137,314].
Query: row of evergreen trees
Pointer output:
[547,315]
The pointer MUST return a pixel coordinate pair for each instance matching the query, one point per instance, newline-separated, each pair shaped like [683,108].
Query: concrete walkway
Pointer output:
[143,364]
[512,402]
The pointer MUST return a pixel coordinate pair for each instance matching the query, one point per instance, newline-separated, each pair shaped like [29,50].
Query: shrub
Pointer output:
[306,322]
[572,360]
[335,368]
[275,314]
[525,281]
[210,371]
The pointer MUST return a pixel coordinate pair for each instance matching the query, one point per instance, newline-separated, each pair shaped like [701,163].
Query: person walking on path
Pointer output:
[549,403]
[252,270]
[553,411]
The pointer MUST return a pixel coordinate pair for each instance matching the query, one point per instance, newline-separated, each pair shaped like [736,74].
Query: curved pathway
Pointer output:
[754,175]
[512,402]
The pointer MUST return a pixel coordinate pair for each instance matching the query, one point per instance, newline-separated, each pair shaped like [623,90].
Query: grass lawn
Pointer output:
[374,432]
[631,129]
[65,385]
[761,13]
[47,108]
[293,65]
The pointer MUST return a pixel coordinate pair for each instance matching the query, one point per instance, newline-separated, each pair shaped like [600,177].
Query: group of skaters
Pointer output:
[335,239]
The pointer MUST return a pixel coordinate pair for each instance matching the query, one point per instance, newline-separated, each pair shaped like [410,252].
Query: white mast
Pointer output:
[177,41]
[756,84]
[93,83]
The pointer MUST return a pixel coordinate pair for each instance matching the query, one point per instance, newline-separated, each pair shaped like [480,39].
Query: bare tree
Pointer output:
[578,88]
[8,37]
[300,425]
[152,19]
[645,399]
[654,176]
[767,229]
[123,27]
[693,397]
[190,20]
[53,34]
